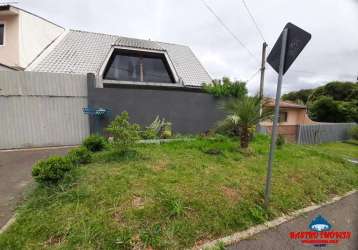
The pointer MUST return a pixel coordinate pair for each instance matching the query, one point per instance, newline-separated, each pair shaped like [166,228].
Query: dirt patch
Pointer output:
[54,240]
[213,151]
[138,202]
[160,165]
[230,193]
[201,241]
[118,217]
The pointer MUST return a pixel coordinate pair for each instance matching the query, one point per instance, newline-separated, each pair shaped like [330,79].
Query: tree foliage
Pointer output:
[354,132]
[333,102]
[226,88]
[300,96]
[339,91]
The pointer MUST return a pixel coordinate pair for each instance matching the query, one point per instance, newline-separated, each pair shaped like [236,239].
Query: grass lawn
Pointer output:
[343,149]
[176,195]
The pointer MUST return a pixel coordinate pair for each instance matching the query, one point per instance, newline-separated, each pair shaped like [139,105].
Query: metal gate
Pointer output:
[42,109]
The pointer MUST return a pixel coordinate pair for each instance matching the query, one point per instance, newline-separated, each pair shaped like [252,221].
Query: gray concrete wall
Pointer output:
[190,111]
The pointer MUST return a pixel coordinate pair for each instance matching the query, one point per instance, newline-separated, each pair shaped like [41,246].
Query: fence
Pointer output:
[289,132]
[42,109]
[323,132]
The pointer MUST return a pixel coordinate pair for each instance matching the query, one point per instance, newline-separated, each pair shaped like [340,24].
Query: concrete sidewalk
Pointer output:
[15,174]
[342,215]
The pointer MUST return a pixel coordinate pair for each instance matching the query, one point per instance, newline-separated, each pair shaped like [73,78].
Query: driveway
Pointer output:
[15,174]
[342,215]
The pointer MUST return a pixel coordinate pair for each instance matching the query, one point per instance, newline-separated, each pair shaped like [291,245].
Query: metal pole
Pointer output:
[275,120]
[263,61]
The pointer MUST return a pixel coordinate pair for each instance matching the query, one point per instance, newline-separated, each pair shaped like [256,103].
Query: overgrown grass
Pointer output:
[176,195]
[347,149]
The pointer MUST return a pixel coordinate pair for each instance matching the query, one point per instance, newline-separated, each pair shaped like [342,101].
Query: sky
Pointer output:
[332,53]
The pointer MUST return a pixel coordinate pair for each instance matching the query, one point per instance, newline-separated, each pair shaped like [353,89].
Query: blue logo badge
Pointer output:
[319,224]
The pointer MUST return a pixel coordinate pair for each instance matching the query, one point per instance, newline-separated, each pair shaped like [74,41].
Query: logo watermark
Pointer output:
[320,234]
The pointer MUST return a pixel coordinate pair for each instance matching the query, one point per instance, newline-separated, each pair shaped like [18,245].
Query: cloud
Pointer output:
[331,54]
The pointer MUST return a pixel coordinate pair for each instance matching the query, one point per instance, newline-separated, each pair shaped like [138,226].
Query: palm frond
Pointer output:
[247,109]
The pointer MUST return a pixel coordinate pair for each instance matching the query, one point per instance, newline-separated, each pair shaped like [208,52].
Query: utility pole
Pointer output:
[263,62]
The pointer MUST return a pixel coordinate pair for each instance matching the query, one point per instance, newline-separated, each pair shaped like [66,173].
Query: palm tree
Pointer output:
[245,113]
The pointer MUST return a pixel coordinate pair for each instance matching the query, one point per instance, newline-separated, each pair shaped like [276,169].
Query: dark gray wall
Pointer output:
[190,111]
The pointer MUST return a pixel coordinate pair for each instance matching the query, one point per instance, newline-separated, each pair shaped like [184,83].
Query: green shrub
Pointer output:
[157,124]
[159,128]
[229,126]
[95,143]
[80,155]
[52,170]
[148,134]
[124,133]
[166,130]
[353,133]
[280,141]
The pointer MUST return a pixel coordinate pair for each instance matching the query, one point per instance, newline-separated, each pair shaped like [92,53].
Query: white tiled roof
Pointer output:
[77,53]
[138,43]
[82,52]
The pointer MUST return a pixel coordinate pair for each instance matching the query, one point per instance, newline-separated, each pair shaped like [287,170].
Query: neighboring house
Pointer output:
[291,115]
[24,36]
[32,43]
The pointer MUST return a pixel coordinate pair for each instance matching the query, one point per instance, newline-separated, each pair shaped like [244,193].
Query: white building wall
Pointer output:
[9,52]
[35,34]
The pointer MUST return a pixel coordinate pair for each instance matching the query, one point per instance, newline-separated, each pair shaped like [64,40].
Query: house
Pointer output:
[53,76]
[31,43]
[24,36]
[291,116]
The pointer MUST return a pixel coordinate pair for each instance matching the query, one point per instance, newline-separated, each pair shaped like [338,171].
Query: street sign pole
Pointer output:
[275,121]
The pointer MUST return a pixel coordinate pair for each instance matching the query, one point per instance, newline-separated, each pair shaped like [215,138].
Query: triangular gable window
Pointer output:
[138,66]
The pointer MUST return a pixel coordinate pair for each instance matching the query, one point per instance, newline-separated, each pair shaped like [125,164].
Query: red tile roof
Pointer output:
[285,104]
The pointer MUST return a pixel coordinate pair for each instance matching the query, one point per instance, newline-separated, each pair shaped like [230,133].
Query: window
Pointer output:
[2,34]
[283,117]
[138,66]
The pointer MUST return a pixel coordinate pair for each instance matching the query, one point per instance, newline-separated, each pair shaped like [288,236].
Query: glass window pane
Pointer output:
[2,30]
[124,68]
[155,70]
[283,117]
[138,66]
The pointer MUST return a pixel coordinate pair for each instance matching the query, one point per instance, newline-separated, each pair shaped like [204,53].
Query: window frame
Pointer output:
[285,116]
[4,35]
[167,61]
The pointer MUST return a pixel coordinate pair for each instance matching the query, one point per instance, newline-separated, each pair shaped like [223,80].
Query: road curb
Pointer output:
[8,224]
[236,237]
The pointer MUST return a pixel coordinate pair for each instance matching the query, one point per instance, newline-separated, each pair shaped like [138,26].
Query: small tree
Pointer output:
[124,133]
[246,112]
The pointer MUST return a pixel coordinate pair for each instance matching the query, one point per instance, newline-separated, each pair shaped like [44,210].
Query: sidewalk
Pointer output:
[342,215]
[15,175]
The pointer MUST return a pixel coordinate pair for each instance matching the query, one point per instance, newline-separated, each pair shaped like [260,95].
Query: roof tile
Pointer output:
[82,52]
